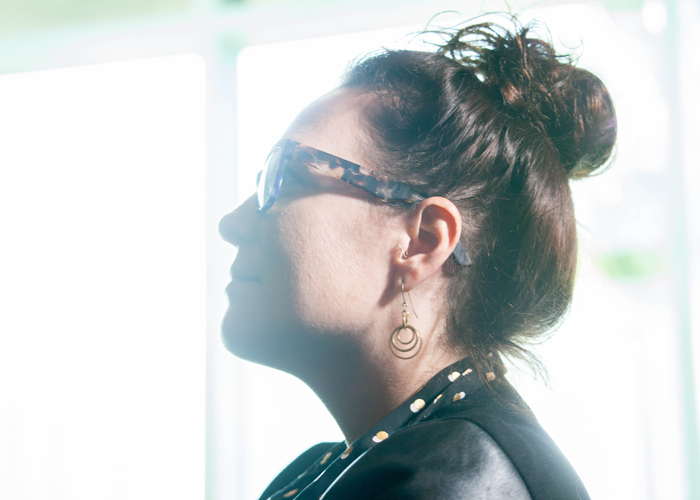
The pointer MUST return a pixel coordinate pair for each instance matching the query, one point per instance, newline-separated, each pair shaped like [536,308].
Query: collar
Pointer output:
[450,385]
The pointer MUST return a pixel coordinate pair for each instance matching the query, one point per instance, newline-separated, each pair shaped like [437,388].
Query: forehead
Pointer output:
[334,123]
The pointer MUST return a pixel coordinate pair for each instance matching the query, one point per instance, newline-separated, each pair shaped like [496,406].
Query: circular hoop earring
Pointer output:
[400,348]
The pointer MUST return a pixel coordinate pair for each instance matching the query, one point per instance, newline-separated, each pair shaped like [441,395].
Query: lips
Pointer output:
[244,278]
[239,275]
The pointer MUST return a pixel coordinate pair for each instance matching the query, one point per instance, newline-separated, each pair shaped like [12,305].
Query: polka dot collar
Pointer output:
[449,386]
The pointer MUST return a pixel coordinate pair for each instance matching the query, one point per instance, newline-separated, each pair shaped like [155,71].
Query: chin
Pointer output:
[256,342]
[274,344]
[240,338]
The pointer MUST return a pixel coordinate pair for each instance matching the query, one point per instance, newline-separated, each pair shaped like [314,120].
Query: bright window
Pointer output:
[102,288]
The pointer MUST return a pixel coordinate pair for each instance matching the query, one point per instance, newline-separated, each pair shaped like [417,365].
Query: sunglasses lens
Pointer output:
[268,184]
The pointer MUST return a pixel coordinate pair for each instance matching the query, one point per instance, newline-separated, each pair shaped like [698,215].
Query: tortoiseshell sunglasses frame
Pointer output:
[352,173]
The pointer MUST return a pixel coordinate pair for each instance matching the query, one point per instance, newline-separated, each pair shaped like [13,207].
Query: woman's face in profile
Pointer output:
[311,270]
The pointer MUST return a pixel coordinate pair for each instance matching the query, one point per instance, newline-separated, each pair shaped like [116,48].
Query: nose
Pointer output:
[238,227]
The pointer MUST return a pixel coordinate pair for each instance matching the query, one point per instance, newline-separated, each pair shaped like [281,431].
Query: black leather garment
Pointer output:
[457,438]
[447,459]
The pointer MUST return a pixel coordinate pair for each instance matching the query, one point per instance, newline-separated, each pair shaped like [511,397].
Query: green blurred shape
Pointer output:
[28,15]
[630,265]
[229,44]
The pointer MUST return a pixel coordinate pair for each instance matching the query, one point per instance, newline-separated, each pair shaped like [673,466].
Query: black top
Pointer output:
[455,439]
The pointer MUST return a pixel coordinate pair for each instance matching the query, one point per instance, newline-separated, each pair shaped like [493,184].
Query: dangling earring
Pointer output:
[403,349]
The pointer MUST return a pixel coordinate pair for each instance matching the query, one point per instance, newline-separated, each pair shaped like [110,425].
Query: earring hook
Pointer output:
[409,299]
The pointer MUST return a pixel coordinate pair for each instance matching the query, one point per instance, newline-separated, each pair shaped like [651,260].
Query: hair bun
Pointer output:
[570,106]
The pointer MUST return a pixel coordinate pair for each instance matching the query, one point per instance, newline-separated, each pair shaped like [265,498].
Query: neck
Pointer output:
[362,389]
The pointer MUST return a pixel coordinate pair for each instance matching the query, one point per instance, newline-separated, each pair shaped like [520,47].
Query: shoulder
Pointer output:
[506,418]
[486,446]
[447,458]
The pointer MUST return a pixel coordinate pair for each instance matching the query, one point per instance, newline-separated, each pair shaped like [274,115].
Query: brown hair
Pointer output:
[498,123]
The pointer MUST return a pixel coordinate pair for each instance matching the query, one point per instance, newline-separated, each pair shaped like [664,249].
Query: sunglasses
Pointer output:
[269,180]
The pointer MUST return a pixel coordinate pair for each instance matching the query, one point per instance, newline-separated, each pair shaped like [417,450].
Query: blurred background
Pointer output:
[128,128]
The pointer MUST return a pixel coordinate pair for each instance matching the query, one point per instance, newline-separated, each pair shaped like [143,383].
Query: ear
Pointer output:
[434,229]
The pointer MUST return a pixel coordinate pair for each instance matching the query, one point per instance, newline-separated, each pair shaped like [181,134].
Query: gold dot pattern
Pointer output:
[490,376]
[467,372]
[291,493]
[458,396]
[454,376]
[417,405]
[326,457]
[380,436]
[346,454]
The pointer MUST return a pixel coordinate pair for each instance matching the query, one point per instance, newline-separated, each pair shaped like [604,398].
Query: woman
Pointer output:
[456,169]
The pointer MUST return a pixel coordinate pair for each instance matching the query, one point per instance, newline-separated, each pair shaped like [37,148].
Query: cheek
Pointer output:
[332,257]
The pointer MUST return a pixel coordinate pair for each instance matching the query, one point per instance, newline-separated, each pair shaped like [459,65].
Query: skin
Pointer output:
[315,287]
